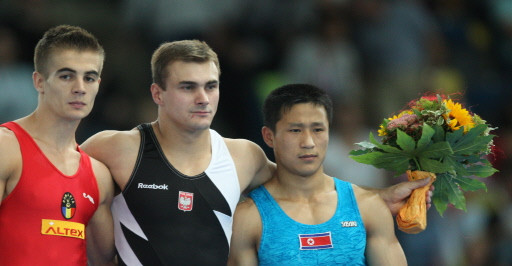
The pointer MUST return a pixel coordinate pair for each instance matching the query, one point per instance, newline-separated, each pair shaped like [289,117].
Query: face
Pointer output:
[300,139]
[191,96]
[72,83]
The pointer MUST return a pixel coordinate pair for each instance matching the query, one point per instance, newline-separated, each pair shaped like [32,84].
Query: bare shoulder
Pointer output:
[241,146]
[371,206]
[248,156]
[10,153]
[7,137]
[107,143]
[103,179]
[253,166]
[363,193]
[101,171]
[118,150]
[247,218]
[246,206]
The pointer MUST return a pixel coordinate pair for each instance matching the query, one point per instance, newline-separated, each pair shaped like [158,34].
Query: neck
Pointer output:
[170,136]
[57,133]
[190,153]
[297,186]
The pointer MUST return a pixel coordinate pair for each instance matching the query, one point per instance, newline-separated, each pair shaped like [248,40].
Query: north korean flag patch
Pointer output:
[315,241]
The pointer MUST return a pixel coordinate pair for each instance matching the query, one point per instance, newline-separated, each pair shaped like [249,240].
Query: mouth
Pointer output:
[77,104]
[201,113]
[308,156]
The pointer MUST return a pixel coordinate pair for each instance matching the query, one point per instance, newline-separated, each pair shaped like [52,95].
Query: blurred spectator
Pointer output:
[347,129]
[163,20]
[17,94]
[399,40]
[327,56]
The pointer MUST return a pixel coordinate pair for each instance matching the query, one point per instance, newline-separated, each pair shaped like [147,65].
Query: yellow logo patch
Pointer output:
[62,228]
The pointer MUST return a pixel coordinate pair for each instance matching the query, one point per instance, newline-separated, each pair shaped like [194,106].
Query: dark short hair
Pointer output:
[282,99]
[64,37]
[184,50]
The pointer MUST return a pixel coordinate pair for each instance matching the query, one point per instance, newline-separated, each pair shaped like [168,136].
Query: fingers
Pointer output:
[419,183]
[428,198]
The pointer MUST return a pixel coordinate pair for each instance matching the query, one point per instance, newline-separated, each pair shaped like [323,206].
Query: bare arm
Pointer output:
[10,162]
[382,246]
[253,166]
[246,235]
[117,150]
[396,196]
[100,229]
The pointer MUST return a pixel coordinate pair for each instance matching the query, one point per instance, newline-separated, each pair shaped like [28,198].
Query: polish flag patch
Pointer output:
[185,201]
[315,241]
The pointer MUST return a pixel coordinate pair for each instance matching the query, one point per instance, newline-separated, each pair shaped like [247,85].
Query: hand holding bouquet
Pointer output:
[436,135]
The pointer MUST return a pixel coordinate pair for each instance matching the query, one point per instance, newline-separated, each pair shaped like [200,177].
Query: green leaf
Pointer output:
[383,147]
[453,137]
[470,184]
[405,141]
[433,166]
[398,162]
[457,166]
[469,143]
[437,150]
[426,136]
[447,192]
[439,134]
[359,152]
[481,170]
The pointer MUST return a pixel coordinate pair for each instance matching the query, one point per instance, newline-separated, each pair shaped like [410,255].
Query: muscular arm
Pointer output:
[397,195]
[117,150]
[246,235]
[253,166]
[382,246]
[100,229]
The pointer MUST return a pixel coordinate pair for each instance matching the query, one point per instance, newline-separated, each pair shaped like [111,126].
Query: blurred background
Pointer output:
[372,56]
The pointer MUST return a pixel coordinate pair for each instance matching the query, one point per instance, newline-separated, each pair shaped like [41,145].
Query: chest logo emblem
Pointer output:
[349,224]
[315,241]
[185,201]
[68,205]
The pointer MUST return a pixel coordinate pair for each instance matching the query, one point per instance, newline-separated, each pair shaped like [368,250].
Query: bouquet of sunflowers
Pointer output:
[438,136]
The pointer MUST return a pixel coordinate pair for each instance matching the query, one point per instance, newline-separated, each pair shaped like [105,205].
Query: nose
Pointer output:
[79,87]
[307,140]
[202,97]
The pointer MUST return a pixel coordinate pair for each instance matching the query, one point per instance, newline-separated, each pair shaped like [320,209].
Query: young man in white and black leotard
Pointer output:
[186,216]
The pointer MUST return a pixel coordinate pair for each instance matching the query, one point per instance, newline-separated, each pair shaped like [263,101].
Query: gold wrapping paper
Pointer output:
[412,217]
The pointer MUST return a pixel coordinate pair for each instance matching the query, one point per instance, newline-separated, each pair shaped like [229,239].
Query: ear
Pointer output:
[156,93]
[38,80]
[268,136]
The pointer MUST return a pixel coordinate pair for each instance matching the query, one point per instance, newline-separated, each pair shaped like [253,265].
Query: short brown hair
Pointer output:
[186,51]
[64,37]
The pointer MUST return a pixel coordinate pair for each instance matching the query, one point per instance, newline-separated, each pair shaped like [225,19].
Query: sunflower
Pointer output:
[457,116]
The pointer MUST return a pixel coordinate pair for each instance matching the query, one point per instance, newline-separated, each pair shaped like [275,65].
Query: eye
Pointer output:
[65,77]
[212,86]
[294,130]
[90,79]
[319,129]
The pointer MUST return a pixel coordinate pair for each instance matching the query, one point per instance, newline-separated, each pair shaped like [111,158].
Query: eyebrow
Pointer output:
[315,124]
[211,82]
[67,69]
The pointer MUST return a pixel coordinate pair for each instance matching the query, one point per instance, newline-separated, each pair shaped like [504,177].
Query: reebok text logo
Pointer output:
[153,186]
